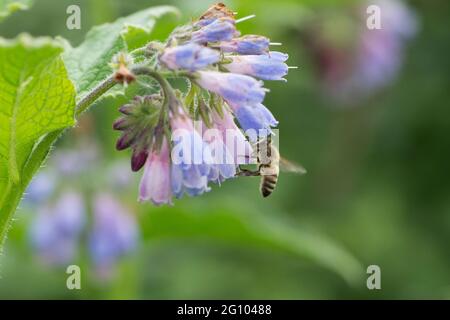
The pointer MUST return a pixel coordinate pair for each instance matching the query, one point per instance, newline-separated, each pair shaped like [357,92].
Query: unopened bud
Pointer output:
[138,159]
[122,124]
[125,141]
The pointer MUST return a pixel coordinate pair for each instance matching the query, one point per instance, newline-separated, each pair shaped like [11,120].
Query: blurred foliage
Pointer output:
[8,7]
[378,182]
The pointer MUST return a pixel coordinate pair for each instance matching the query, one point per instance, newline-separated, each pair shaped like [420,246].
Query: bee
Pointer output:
[269,170]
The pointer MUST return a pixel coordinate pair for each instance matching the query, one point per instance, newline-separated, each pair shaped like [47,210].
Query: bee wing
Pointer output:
[288,166]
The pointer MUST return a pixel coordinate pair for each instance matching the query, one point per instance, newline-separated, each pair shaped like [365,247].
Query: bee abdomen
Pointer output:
[268,184]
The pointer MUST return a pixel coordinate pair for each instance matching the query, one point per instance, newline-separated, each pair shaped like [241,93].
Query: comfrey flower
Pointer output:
[114,233]
[155,184]
[256,120]
[221,172]
[244,95]
[233,88]
[189,56]
[56,230]
[223,73]
[223,165]
[189,179]
[265,67]
[229,147]
[246,45]
[221,29]
[234,140]
[191,158]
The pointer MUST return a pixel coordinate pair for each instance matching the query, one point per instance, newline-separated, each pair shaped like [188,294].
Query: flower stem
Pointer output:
[170,99]
[169,95]
[165,86]
[96,93]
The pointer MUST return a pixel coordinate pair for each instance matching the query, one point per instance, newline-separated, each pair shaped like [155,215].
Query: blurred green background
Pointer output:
[377,189]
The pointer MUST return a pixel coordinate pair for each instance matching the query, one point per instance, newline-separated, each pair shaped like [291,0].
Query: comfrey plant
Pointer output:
[186,140]
[185,137]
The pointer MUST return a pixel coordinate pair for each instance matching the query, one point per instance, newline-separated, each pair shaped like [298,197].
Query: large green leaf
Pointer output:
[9,6]
[243,228]
[37,101]
[88,64]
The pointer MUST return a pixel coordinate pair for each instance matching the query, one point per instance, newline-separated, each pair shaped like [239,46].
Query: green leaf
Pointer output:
[37,101]
[88,64]
[234,226]
[135,37]
[9,6]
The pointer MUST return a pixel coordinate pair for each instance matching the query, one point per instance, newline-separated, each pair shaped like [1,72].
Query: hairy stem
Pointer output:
[170,99]
[96,93]
[165,86]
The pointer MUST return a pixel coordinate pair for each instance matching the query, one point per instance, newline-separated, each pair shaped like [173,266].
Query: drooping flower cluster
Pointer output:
[186,140]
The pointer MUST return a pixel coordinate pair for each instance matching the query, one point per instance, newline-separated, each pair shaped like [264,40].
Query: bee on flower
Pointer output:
[185,140]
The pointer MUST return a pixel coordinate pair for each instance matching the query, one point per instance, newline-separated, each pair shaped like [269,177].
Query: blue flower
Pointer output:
[247,45]
[256,120]
[239,150]
[56,230]
[191,161]
[221,29]
[204,22]
[221,172]
[114,232]
[265,67]
[190,179]
[223,159]
[190,56]
[234,88]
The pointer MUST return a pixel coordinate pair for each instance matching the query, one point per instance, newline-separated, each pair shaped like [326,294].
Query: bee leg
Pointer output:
[247,173]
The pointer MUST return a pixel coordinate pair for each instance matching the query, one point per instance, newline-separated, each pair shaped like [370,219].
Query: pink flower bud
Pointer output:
[155,183]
